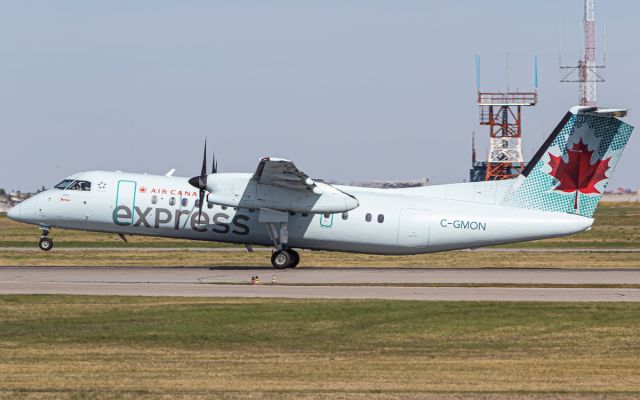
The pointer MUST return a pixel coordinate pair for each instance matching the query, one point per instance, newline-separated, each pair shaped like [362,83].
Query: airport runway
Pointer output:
[323,283]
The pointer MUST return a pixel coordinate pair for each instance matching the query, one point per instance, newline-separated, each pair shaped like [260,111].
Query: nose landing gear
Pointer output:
[46,243]
[285,258]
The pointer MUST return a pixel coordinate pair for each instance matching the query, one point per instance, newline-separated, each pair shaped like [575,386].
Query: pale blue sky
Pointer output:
[349,90]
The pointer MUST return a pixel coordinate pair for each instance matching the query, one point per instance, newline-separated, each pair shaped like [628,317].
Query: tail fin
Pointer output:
[570,171]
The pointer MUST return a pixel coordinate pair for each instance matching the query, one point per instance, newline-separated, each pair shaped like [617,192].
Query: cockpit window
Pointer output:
[63,184]
[80,185]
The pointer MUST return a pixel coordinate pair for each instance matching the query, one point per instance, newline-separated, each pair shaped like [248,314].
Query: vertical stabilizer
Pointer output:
[570,171]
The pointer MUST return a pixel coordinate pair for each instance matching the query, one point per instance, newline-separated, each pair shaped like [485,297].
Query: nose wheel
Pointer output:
[285,258]
[45,243]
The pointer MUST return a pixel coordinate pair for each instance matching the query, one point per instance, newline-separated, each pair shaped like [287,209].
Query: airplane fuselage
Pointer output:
[279,205]
[387,221]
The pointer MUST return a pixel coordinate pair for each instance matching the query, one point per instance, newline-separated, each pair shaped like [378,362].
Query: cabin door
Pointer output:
[413,229]
[126,197]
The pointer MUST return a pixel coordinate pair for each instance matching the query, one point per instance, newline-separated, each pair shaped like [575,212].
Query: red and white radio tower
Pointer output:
[501,111]
[587,70]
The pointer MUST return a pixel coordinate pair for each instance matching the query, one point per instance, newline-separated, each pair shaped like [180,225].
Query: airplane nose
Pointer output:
[15,212]
[26,211]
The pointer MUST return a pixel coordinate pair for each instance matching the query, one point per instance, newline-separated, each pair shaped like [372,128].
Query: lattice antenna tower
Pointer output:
[587,71]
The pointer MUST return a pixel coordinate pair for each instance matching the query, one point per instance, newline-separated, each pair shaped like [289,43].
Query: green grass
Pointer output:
[390,327]
[135,347]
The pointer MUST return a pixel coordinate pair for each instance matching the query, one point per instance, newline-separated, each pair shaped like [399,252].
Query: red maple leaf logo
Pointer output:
[143,189]
[578,175]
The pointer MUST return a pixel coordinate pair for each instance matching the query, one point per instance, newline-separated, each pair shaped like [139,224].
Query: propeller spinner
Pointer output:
[200,182]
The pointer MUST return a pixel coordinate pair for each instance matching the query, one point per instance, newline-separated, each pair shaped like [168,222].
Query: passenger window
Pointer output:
[80,185]
[209,205]
[305,214]
[292,213]
[64,184]
[380,218]
[327,215]
[172,201]
[154,199]
[185,202]
[345,215]
[224,207]
[368,217]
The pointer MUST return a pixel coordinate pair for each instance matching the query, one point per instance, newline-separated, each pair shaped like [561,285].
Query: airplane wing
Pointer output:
[281,172]
[278,185]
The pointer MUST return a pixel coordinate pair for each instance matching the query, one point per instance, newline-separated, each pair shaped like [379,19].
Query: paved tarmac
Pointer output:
[322,283]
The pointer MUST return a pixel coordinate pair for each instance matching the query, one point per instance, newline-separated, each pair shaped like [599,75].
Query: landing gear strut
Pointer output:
[46,243]
[285,258]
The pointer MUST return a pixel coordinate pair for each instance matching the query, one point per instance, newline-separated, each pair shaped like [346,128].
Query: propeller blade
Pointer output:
[214,166]
[203,172]
[200,182]
[201,198]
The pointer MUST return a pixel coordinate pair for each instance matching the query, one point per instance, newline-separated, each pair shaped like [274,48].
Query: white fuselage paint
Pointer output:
[413,222]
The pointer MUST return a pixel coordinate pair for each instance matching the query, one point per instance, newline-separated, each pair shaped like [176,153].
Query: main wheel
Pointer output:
[282,259]
[296,258]
[45,244]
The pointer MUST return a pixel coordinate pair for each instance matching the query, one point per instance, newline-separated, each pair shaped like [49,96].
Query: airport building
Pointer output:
[9,199]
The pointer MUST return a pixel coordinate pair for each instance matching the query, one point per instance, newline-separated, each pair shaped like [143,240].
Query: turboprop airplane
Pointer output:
[280,206]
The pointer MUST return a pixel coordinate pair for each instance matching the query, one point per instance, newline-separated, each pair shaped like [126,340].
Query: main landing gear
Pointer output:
[285,258]
[46,243]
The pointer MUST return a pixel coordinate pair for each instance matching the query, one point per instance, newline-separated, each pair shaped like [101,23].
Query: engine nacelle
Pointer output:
[240,190]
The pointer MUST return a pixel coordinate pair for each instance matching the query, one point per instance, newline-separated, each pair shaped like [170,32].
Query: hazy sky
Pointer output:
[349,90]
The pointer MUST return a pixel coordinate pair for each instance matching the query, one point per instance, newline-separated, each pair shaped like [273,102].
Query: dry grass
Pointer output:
[457,259]
[139,373]
[131,348]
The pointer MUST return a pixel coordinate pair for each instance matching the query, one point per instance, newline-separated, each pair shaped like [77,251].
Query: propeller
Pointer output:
[200,182]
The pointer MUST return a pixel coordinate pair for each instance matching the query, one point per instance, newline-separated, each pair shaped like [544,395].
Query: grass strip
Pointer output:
[453,259]
[140,347]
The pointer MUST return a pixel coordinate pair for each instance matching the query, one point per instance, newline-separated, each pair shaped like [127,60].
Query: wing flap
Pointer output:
[281,172]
